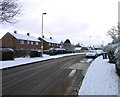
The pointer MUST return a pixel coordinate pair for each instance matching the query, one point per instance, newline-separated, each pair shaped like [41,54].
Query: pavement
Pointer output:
[100,79]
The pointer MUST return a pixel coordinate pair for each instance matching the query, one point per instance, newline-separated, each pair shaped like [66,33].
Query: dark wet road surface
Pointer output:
[51,77]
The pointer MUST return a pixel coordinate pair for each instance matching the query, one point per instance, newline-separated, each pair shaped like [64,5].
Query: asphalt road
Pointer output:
[49,77]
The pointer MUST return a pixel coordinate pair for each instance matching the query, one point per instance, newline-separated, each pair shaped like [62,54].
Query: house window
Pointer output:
[36,43]
[28,42]
[31,42]
[49,44]
[22,42]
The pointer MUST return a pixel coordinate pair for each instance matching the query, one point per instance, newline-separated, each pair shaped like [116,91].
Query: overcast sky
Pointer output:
[76,20]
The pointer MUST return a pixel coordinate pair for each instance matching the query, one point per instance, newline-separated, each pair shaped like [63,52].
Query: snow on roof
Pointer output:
[77,48]
[24,37]
[50,40]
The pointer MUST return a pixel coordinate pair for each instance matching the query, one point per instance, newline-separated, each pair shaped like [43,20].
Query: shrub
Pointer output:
[21,53]
[35,54]
[111,56]
[110,51]
[7,54]
[39,54]
[117,60]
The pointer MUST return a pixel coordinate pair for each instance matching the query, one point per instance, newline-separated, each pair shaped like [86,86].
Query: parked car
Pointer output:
[54,51]
[45,51]
[60,50]
[99,52]
[91,54]
[117,60]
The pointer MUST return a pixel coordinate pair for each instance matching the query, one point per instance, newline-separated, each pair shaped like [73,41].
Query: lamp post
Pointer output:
[42,22]
[89,41]
[42,33]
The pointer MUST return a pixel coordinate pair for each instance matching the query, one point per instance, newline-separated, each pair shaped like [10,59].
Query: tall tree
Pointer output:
[9,9]
[114,32]
[68,46]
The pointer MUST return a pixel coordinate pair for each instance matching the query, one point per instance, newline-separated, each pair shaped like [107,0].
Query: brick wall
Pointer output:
[8,41]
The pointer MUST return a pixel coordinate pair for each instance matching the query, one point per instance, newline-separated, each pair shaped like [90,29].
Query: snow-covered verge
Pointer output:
[21,61]
[100,79]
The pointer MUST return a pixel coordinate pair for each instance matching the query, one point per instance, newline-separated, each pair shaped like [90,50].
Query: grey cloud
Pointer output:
[66,25]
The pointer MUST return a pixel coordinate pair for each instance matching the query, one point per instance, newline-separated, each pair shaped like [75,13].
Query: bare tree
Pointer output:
[9,9]
[68,46]
[114,32]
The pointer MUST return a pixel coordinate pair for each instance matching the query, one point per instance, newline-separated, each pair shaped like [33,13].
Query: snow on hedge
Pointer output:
[6,49]
[117,55]
[112,47]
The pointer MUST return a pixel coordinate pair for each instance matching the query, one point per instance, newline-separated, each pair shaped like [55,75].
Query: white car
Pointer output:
[91,54]
[99,52]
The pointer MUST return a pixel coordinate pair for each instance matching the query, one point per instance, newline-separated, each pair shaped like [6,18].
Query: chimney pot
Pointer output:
[15,32]
[50,37]
[28,34]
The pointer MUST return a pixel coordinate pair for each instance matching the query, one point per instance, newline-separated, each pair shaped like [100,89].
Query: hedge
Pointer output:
[35,54]
[21,53]
[7,54]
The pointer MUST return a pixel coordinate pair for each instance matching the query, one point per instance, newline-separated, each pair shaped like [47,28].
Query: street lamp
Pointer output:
[42,33]
[89,41]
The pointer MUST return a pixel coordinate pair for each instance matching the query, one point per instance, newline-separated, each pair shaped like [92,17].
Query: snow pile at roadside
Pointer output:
[21,61]
[100,79]
[89,60]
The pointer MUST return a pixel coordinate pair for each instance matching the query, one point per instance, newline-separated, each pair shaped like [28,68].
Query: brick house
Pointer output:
[20,41]
[49,43]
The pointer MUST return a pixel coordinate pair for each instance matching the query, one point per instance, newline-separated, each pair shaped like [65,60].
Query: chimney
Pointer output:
[50,37]
[15,32]
[28,34]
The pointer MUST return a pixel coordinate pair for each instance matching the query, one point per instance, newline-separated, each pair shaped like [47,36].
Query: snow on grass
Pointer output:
[100,79]
[89,60]
[86,60]
[21,61]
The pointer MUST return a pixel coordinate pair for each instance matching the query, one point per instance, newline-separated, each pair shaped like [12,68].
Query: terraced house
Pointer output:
[49,43]
[20,41]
